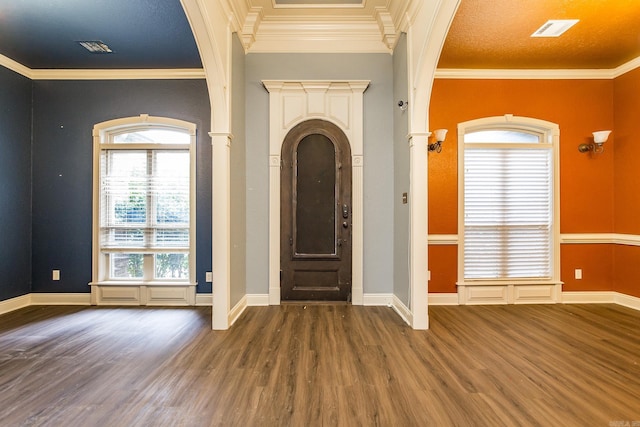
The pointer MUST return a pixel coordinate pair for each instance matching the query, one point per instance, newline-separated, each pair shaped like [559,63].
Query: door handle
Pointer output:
[345,211]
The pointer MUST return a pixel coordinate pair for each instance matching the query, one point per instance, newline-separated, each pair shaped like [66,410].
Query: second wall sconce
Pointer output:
[599,138]
[440,135]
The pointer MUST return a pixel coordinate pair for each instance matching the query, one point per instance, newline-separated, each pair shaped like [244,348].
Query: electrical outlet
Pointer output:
[208,277]
[55,275]
[578,273]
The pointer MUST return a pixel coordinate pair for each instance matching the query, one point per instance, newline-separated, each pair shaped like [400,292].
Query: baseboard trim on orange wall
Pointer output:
[577,297]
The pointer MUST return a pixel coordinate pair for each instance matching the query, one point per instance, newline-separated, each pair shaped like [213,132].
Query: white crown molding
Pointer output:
[250,27]
[387,26]
[569,74]
[625,68]
[103,74]
[498,74]
[314,36]
[137,74]
[15,66]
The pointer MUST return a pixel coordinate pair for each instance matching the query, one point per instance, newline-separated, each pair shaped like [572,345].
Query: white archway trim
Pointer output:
[426,33]
[211,26]
[290,103]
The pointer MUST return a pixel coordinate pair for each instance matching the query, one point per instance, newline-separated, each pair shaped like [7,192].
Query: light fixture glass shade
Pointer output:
[600,137]
[440,134]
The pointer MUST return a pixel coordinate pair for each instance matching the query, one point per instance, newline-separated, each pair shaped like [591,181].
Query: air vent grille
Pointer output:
[95,46]
[554,27]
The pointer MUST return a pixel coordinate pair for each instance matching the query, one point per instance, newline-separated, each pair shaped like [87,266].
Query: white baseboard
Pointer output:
[588,297]
[390,300]
[443,299]
[237,310]
[627,301]
[16,303]
[377,299]
[402,310]
[204,299]
[60,299]
[254,300]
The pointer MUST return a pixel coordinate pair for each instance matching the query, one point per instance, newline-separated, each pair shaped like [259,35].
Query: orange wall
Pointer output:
[579,107]
[627,153]
[627,180]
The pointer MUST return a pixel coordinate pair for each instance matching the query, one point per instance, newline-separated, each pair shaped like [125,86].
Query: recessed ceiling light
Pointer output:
[95,46]
[554,27]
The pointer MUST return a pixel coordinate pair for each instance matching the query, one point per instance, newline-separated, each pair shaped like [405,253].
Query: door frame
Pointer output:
[338,102]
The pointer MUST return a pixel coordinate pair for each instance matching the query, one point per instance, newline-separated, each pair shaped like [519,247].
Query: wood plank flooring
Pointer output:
[321,365]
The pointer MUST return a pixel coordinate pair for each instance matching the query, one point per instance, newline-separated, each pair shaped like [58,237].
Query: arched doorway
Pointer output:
[315,216]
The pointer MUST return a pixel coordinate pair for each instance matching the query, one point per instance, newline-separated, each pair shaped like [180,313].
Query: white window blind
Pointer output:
[508,212]
[145,201]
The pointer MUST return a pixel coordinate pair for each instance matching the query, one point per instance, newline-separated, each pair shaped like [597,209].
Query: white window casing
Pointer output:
[508,207]
[144,211]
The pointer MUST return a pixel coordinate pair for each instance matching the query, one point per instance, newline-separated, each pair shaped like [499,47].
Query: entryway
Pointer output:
[301,106]
[315,228]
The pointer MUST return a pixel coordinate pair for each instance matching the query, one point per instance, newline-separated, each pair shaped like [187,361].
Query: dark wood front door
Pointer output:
[315,200]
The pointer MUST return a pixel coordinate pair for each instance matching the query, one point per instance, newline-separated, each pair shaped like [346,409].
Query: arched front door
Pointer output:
[315,217]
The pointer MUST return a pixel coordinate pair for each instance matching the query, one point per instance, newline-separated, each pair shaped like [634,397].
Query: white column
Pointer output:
[418,230]
[357,236]
[274,229]
[221,239]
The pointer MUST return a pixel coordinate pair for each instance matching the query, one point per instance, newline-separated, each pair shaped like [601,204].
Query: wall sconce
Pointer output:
[403,104]
[599,138]
[440,135]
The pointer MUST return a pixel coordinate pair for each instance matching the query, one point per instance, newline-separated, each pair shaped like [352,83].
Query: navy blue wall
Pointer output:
[64,114]
[15,184]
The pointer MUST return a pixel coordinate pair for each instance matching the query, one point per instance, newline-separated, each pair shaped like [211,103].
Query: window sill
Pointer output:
[141,283]
[506,282]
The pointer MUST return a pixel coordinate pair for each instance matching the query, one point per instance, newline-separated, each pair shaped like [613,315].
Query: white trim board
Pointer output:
[252,300]
[565,239]
[341,103]
[532,74]
[105,74]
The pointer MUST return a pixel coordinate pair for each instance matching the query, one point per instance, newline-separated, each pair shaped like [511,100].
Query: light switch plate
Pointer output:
[55,275]
[208,277]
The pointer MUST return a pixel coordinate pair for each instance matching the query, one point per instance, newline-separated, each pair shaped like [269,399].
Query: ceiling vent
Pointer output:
[554,27]
[95,46]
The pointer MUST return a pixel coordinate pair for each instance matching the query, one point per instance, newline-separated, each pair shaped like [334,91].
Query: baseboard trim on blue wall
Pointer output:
[16,303]
[249,300]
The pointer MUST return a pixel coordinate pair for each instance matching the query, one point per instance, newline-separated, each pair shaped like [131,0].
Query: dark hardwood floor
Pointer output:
[321,365]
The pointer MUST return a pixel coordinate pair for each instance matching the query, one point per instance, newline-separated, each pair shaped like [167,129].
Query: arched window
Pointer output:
[509,213]
[144,204]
